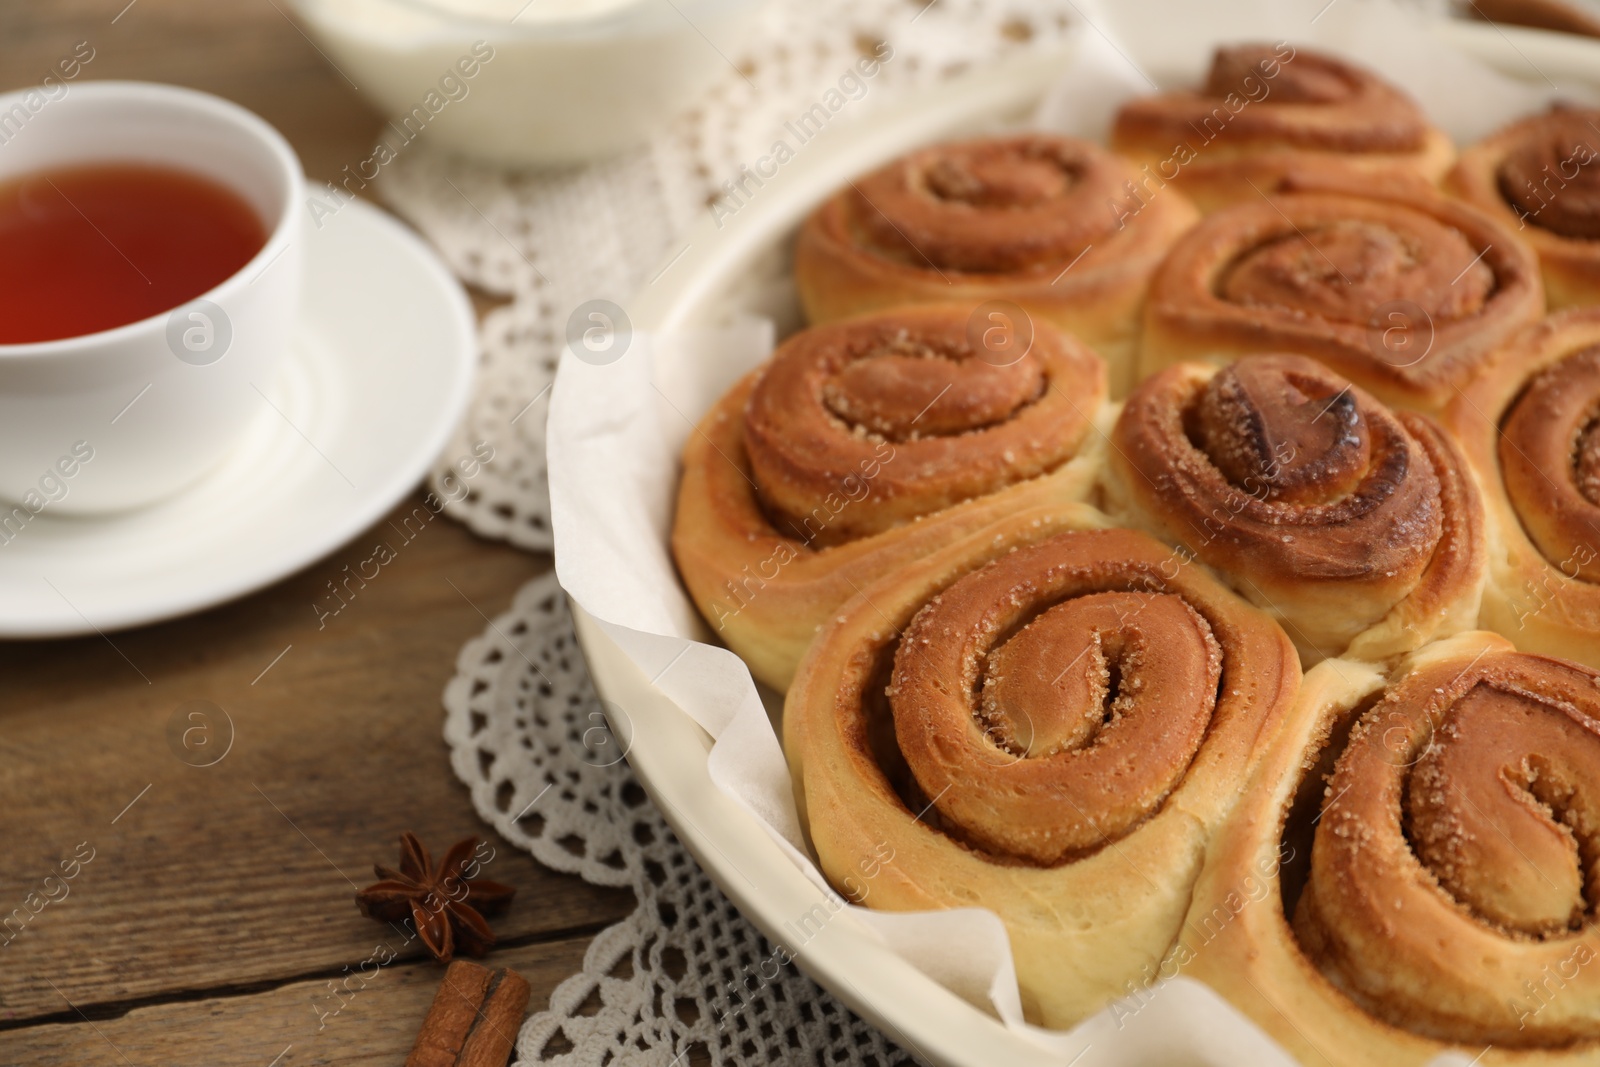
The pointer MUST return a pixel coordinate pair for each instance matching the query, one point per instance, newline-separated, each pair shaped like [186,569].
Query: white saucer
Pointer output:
[380,372]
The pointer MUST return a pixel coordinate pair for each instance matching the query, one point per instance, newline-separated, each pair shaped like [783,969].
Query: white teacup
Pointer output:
[112,420]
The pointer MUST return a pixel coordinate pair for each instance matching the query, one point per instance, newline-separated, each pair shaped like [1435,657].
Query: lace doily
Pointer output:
[550,241]
[685,971]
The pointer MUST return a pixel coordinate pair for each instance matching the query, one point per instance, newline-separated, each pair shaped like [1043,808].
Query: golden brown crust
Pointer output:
[959,421]
[1540,177]
[1446,900]
[1346,521]
[1061,731]
[1549,453]
[1092,708]
[1404,293]
[1266,110]
[1527,429]
[812,477]
[1029,219]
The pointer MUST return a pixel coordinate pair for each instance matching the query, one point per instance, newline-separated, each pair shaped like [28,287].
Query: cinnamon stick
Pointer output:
[474,1018]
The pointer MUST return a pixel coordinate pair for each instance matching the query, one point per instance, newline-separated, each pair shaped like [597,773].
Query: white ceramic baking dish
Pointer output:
[733,266]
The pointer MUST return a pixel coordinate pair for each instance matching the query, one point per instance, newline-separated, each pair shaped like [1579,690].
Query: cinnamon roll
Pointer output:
[1403,293]
[1436,840]
[861,446]
[1357,527]
[1052,732]
[1266,110]
[1031,219]
[1541,178]
[1530,427]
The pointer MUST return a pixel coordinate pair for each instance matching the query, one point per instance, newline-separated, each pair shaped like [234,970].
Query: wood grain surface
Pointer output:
[218,900]
[294,1023]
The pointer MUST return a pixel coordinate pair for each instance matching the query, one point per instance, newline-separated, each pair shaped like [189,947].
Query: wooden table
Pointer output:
[217,907]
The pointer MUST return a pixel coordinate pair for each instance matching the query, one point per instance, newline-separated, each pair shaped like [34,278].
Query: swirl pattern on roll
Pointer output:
[1547,179]
[958,422]
[1047,724]
[1100,701]
[1550,456]
[1405,294]
[1029,220]
[1264,109]
[1024,203]
[1530,427]
[1541,176]
[1314,499]
[1297,97]
[1461,858]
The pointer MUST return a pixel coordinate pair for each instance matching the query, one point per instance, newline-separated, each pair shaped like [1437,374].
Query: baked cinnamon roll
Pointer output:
[1530,427]
[1357,527]
[1051,732]
[1267,109]
[1541,178]
[1405,294]
[1440,860]
[861,446]
[1031,219]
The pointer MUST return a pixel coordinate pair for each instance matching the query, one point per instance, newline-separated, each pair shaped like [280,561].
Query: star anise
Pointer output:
[446,909]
